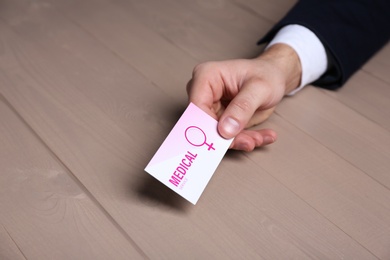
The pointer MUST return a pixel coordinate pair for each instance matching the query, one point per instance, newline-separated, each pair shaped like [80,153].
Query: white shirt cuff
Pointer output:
[309,48]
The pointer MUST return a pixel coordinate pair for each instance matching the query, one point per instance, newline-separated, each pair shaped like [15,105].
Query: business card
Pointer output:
[189,156]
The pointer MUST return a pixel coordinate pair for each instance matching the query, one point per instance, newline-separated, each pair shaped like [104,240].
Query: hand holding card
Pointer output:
[190,154]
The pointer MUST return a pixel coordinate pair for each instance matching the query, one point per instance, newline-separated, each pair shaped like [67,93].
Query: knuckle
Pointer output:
[244,105]
[197,68]
[201,67]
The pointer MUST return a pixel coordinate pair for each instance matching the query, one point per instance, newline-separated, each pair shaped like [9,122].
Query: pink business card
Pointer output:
[190,154]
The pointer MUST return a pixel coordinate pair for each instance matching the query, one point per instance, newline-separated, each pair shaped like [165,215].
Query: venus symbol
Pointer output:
[197,137]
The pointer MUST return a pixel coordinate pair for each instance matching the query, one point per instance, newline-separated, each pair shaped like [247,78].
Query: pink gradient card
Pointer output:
[190,154]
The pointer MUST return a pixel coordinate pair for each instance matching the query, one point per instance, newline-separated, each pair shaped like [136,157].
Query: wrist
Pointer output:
[287,61]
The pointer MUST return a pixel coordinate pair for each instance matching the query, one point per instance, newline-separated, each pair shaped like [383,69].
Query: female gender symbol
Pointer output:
[197,136]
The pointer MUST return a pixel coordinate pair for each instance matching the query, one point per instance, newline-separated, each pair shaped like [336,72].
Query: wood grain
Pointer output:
[93,87]
[367,95]
[106,164]
[8,249]
[211,30]
[270,10]
[339,191]
[45,213]
[342,130]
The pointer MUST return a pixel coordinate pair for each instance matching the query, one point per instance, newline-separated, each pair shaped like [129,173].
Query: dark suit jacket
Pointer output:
[351,31]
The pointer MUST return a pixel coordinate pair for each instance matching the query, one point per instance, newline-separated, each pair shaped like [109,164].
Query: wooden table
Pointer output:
[89,90]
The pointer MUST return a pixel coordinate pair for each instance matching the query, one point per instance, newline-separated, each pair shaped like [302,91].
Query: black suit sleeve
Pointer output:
[351,31]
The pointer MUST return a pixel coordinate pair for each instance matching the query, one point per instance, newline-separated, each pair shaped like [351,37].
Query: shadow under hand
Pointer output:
[235,155]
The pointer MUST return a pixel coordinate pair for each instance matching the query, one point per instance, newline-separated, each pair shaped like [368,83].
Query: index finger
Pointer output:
[205,91]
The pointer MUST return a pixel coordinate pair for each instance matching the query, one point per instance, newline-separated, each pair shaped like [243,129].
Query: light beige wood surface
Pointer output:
[89,90]
[44,205]
[8,247]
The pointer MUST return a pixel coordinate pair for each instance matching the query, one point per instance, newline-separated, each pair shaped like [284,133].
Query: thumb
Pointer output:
[240,110]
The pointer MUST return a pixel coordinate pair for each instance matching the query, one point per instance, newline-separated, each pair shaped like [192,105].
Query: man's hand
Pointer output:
[244,93]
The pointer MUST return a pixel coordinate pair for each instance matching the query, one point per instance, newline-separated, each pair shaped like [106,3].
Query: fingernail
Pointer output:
[230,126]
[268,140]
